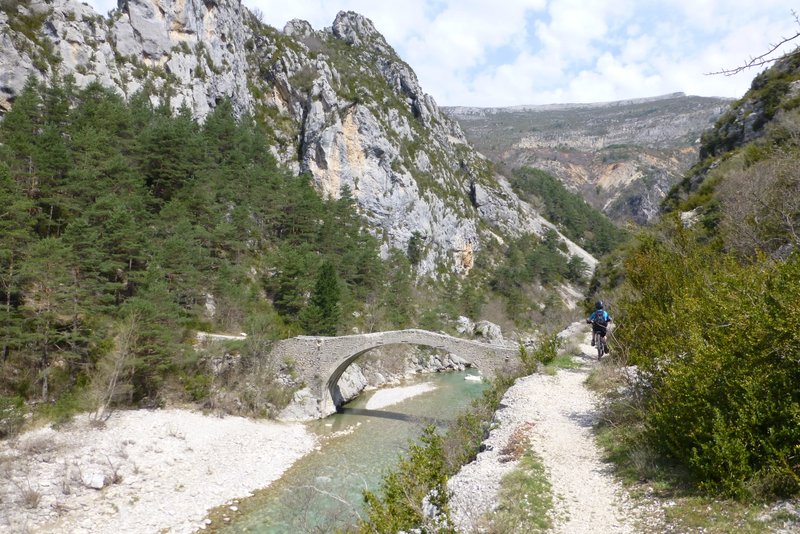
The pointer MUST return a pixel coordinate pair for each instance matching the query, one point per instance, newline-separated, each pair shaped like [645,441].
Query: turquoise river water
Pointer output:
[322,491]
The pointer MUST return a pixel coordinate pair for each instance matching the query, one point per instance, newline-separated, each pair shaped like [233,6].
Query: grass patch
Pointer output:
[562,361]
[31,497]
[607,379]
[703,514]
[525,500]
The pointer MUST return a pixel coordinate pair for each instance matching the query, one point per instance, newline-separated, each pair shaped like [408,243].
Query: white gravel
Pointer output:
[171,466]
[387,397]
[559,412]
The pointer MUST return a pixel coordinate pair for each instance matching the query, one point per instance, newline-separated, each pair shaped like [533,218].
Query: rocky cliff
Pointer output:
[338,102]
[622,157]
[761,124]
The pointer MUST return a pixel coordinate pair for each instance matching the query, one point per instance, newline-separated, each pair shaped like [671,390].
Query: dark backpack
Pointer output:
[600,319]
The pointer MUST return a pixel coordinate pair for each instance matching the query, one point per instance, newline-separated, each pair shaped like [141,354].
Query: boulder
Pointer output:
[464,325]
[94,480]
[304,407]
[489,331]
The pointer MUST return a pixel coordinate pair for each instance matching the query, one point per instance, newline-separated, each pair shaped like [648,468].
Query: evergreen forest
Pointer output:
[585,226]
[122,219]
[128,227]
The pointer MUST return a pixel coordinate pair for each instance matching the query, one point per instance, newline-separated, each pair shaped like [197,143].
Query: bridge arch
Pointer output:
[321,361]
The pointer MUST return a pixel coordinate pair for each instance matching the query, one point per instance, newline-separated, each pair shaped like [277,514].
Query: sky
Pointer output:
[527,52]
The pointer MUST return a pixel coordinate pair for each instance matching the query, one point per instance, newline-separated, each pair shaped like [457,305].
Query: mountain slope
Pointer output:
[622,157]
[338,103]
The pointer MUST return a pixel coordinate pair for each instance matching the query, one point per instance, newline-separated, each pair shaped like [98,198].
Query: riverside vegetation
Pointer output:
[421,476]
[128,227]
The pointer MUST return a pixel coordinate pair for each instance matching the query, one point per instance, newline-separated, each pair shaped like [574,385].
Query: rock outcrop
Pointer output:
[774,90]
[767,108]
[339,105]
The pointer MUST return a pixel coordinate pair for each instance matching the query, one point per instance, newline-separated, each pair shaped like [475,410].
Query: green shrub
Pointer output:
[719,344]
[12,415]
[545,353]
[65,408]
[422,473]
[197,386]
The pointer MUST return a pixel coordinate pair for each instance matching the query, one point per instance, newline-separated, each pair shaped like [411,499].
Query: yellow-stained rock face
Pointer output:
[353,151]
[466,257]
[347,150]
[618,174]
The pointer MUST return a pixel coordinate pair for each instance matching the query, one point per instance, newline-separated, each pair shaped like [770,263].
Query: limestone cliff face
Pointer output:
[339,103]
[195,49]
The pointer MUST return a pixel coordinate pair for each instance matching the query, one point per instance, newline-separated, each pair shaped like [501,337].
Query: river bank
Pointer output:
[148,470]
[143,471]
[162,470]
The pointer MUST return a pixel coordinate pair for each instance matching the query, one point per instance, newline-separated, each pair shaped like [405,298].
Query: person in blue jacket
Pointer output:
[599,320]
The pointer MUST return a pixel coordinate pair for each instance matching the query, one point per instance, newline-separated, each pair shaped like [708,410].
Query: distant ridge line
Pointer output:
[477,110]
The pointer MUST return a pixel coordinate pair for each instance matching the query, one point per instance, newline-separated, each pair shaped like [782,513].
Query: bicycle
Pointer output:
[600,344]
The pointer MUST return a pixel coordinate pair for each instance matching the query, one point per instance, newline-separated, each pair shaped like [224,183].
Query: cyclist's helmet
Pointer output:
[599,305]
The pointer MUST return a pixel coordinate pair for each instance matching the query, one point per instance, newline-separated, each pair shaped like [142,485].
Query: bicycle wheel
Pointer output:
[600,345]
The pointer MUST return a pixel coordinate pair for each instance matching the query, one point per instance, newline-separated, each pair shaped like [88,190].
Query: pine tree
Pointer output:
[17,233]
[157,348]
[322,315]
[49,290]
[170,153]
[18,131]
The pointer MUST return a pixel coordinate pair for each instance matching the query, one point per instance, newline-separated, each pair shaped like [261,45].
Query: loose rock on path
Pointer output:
[559,412]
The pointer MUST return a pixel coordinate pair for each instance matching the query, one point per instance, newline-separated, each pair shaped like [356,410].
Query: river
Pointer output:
[322,491]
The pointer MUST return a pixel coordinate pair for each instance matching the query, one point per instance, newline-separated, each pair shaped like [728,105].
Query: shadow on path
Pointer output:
[583,419]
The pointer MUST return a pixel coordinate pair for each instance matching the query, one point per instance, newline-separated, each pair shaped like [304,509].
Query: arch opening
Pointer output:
[332,384]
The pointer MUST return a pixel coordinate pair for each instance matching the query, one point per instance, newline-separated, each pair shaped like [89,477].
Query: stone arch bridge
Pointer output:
[320,361]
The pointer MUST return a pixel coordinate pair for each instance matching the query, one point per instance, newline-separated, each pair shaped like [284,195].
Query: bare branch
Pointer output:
[763,59]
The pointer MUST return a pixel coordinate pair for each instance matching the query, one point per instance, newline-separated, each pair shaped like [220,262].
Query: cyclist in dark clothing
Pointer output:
[599,320]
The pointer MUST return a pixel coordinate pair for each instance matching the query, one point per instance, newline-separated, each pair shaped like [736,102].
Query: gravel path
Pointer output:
[559,412]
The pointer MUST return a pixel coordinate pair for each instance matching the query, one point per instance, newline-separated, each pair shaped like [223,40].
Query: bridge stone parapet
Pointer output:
[320,361]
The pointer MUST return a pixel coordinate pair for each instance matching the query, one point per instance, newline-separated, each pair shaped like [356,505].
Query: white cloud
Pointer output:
[491,53]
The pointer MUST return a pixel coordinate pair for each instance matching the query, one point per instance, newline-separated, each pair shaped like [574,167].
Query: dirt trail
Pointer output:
[562,412]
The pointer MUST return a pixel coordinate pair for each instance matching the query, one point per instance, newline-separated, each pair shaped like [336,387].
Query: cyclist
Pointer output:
[599,320]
